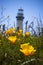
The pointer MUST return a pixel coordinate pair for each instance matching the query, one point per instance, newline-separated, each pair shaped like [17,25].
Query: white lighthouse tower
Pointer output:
[20,18]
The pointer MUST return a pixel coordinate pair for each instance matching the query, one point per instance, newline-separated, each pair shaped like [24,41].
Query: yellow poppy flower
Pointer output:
[24,46]
[27,33]
[20,31]
[10,31]
[27,49]
[12,39]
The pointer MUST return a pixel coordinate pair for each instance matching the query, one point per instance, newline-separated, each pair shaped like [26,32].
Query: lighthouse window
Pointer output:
[20,12]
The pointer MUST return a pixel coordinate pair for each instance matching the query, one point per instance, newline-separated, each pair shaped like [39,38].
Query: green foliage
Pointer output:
[10,53]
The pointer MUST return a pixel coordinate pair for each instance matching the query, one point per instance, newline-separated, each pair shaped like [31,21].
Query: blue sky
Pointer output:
[32,8]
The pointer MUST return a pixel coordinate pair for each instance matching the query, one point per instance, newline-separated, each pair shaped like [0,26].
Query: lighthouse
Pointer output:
[20,18]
